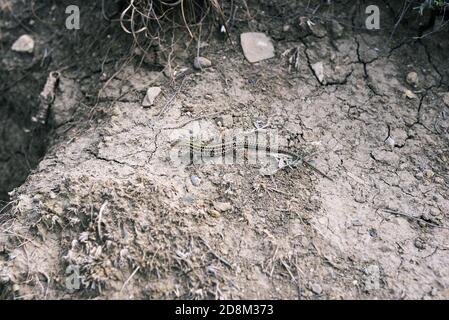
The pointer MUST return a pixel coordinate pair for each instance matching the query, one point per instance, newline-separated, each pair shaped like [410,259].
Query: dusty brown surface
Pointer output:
[291,236]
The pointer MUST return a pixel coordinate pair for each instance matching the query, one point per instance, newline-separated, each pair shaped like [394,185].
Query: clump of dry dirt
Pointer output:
[107,199]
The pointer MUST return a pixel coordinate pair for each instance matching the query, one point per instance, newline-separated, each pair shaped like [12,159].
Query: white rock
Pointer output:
[412,78]
[196,181]
[318,69]
[201,63]
[152,93]
[222,206]
[256,46]
[390,142]
[316,288]
[409,94]
[24,44]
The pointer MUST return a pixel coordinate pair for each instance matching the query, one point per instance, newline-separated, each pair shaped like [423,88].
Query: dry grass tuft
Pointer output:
[156,18]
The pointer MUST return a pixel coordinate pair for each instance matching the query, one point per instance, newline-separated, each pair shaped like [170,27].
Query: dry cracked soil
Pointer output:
[94,191]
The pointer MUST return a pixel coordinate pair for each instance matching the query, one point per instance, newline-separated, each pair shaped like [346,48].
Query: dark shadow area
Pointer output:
[23,75]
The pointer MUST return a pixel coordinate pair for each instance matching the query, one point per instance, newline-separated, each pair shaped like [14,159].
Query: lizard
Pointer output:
[222,149]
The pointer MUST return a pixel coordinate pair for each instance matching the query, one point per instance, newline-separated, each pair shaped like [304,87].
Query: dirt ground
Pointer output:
[96,190]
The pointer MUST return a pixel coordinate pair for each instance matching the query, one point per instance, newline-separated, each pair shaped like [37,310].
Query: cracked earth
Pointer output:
[107,198]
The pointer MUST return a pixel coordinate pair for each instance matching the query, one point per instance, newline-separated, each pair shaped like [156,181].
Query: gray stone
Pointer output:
[390,142]
[256,46]
[316,288]
[337,28]
[286,28]
[24,44]
[318,69]
[434,292]
[412,78]
[195,180]
[318,30]
[420,244]
[428,173]
[222,206]
[434,211]
[201,63]
[410,94]
[151,95]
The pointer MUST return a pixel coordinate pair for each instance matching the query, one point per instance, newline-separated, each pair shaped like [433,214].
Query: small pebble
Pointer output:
[214,214]
[373,232]
[318,69]
[409,94]
[434,292]
[316,288]
[24,44]
[428,174]
[412,79]
[286,28]
[256,46]
[195,181]
[425,216]
[420,244]
[222,206]
[151,95]
[434,211]
[439,180]
[4,278]
[390,142]
[201,63]
[337,28]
